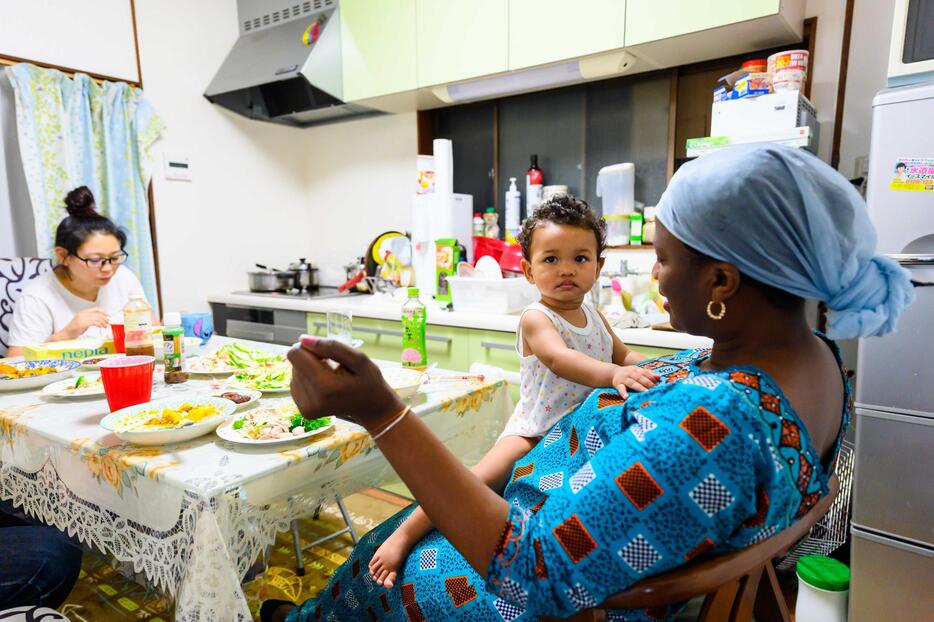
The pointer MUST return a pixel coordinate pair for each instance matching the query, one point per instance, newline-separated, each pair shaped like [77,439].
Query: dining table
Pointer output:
[192,518]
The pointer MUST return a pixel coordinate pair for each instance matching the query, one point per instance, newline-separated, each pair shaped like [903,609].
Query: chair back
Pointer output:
[706,574]
[15,273]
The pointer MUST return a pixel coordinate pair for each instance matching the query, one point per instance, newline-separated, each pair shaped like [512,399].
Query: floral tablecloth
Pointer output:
[193,517]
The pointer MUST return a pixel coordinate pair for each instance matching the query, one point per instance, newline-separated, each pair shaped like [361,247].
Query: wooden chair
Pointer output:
[729,581]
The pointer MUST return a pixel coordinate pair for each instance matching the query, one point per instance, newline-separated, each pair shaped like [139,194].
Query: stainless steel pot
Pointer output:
[271,280]
[306,275]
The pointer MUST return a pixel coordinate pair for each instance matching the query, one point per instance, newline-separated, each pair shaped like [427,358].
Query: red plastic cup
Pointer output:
[119,335]
[127,380]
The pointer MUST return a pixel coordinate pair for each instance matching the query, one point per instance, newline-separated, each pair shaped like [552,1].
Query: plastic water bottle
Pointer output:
[414,352]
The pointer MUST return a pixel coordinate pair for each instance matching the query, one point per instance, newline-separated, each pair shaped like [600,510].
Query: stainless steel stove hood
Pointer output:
[280,70]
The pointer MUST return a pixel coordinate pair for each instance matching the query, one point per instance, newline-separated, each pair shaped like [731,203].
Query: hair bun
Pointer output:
[80,203]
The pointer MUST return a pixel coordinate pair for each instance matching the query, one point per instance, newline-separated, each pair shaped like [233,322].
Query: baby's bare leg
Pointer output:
[493,470]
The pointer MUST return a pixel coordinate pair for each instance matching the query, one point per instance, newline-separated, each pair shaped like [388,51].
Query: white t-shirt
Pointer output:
[544,396]
[45,306]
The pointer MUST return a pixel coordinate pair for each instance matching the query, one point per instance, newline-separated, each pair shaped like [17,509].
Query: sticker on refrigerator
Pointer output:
[914,174]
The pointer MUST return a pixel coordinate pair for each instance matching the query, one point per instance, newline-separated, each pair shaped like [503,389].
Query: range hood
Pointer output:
[286,65]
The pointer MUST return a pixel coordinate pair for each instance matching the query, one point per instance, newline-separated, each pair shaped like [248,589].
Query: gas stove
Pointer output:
[322,292]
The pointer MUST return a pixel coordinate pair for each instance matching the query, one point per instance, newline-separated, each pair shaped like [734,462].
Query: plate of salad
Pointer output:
[85,385]
[231,358]
[276,423]
[274,378]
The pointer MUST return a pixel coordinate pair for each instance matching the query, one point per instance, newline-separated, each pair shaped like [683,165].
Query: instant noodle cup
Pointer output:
[788,79]
[796,59]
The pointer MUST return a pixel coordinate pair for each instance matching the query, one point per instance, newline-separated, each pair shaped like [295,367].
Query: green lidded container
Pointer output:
[824,573]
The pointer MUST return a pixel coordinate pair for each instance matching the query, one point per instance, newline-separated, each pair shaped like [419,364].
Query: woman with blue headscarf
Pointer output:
[733,445]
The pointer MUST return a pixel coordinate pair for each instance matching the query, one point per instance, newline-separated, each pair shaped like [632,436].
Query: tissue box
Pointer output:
[73,350]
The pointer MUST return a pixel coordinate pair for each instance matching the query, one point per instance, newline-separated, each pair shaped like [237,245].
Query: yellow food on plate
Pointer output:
[12,371]
[168,418]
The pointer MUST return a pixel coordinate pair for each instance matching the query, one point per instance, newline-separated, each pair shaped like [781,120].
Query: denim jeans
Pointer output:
[38,566]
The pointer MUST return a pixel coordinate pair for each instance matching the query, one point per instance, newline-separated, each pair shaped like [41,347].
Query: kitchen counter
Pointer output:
[384,308]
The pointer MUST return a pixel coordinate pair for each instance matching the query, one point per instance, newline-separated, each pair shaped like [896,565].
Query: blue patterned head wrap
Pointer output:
[787,219]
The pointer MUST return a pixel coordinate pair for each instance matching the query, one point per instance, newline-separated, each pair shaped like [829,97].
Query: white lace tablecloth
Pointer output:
[194,516]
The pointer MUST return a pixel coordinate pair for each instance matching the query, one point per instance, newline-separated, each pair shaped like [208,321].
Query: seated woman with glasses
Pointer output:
[85,289]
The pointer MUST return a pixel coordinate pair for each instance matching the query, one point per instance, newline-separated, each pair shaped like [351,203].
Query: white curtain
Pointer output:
[17,228]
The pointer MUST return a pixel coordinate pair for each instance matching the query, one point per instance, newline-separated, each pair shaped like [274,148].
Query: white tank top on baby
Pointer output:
[545,397]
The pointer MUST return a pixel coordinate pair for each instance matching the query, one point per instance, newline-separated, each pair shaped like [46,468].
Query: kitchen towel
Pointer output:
[444,165]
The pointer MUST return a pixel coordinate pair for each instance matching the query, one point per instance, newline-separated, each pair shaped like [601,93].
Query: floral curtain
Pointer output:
[74,132]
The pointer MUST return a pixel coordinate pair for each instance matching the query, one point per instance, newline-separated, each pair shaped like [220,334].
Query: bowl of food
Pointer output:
[275,423]
[242,398]
[78,386]
[404,381]
[24,375]
[168,420]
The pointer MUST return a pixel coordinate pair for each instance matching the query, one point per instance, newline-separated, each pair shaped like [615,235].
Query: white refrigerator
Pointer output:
[892,554]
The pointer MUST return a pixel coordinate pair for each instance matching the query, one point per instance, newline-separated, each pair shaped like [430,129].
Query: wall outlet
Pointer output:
[177,167]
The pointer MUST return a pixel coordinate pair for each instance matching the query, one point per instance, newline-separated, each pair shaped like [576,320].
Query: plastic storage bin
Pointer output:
[491,295]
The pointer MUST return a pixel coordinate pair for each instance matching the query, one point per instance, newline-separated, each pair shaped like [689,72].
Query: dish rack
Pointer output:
[379,285]
[830,531]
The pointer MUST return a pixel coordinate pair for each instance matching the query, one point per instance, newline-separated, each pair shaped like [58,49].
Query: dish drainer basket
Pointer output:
[830,531]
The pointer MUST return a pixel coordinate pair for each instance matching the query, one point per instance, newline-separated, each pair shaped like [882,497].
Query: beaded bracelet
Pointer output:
[392,423]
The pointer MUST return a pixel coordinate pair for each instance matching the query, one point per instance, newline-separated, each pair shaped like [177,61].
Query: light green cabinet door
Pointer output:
[382,339]
[496,348]
[378,47]
[546,31]
[651,20]
[651,352]
[460,39]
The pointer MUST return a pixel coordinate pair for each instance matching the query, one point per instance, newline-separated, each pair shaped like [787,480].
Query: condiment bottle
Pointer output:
[172,333]
[491,222]
[414,350]
[137,323]
[648,228]
[534,180]
[478,226]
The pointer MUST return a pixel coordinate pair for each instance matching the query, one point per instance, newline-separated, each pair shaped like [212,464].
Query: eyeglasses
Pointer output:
[100,262]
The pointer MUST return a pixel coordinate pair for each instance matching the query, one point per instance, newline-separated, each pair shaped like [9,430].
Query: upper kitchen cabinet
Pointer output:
[378,47]
[92,36]
[666,33]
[458,39]
[546,31]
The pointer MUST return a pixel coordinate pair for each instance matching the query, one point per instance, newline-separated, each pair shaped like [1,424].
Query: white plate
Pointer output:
[203,366]
[233,383]
[253,393]
[168,435]
[227,433]
[488,268]
[404,381]
[85,365]
[60,388]
[65,369]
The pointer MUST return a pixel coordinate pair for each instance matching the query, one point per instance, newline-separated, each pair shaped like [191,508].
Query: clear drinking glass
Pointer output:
[340,326]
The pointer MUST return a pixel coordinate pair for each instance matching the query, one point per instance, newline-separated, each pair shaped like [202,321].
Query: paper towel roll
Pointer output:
[444,165]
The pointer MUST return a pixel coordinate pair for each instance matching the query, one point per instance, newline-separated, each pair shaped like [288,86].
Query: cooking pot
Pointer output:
[271,280]
[306,275]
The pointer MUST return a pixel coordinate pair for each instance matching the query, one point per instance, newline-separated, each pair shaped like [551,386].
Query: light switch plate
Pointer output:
[177,167]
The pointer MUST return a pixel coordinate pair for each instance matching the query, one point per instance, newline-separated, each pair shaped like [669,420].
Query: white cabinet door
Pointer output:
[87,35]
[546,31]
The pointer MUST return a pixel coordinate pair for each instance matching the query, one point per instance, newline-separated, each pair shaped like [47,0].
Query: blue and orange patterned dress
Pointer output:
[617,491]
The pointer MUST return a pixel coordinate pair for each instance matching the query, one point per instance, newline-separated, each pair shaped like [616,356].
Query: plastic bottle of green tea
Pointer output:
[414,353]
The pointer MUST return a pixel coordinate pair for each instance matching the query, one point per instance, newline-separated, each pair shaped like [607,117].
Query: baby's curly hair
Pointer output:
[563,209]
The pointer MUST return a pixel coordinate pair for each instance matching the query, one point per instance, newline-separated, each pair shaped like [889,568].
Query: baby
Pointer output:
[565,346]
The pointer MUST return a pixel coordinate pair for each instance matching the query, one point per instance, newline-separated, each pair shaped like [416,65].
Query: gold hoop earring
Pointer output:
[718,316]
